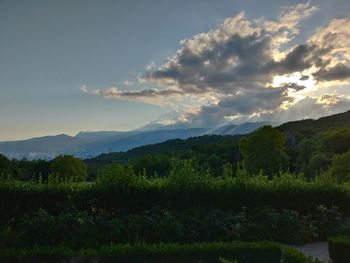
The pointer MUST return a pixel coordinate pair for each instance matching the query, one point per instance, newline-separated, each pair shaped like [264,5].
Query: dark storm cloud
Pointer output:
[296,60]
[338,72]
[293,86]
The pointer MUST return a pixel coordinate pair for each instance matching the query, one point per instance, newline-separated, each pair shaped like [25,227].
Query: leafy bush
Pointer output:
[290,255]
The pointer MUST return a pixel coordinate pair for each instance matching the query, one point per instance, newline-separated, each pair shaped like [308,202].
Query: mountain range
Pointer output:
[89,144]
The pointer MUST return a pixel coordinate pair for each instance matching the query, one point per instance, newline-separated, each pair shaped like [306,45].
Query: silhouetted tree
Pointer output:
[264,150]
[340,167]
[5,166]
[69,168]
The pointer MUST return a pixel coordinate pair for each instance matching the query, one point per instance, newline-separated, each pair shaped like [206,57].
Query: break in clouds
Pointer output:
[248,69]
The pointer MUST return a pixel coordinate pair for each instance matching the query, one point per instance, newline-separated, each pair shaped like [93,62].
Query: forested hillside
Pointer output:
[309,147]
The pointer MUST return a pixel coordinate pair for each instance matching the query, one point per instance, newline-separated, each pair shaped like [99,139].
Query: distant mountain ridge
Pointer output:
[89,144]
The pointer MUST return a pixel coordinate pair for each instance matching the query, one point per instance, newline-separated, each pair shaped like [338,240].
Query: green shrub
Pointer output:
[201,252]
[290,255]
[339,249]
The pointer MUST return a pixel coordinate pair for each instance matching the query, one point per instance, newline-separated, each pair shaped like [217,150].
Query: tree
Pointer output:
[264,150]
[69,168]
[5,166]
[153,164]
[336,141]
[340,167]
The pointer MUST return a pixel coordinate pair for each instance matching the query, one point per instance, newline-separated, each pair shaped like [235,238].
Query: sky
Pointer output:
[77,65]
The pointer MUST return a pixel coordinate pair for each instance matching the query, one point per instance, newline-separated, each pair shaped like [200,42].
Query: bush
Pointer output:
[201,252]
[340,167]
[339,248]
[290,255]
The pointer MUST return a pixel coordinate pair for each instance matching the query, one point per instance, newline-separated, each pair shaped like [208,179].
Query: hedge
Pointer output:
[339,249]
[258,252]
[79,229]
[18,200]
[253,252]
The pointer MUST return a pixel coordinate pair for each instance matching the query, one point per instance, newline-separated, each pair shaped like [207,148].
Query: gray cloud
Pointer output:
[293,86]
[239,107]
[338,72]
[228,73]
[298,59]
[305,77]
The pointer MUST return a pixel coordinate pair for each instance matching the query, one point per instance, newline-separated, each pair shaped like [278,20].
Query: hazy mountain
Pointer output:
[42,147]
[232,129]
[135,139]
[87,144]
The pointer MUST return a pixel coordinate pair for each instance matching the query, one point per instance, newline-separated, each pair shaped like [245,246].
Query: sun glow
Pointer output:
[298,78]
[298,84]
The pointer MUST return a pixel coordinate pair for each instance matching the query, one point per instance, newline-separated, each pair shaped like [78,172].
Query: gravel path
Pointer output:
[316,250]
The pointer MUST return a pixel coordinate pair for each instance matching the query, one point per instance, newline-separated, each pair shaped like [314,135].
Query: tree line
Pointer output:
[266,151]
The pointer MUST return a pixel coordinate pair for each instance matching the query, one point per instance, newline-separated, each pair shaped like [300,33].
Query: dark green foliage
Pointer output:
[34,170]
[262,252]
[152,165]
[336,141]
[311,127]
[290,255]
[68,168]
[339,249]
[78,229]
[207,152]
[340,168]
[7,168]
[121,191]
[264,151]
[116,175]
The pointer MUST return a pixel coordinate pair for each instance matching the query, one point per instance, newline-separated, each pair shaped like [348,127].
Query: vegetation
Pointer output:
[79,229]
[263,151]
[267,151]
[238,252]
[287,185]
[290,255]
[68,168]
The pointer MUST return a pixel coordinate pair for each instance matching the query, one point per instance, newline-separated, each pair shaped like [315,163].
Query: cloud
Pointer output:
[151,96]
[247,69]
[338,72]
[237,55]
